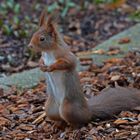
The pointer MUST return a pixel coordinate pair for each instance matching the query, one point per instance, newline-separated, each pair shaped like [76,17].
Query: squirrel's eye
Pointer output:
[42,38]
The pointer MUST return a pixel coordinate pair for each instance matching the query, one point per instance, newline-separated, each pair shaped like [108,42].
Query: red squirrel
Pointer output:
[66,101]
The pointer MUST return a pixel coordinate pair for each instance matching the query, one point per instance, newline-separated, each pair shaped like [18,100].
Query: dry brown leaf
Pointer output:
[93,131]
[139,117]
[122,134]
[68,39]
[26,127]
[124,40]
[120,121]
[100,51]
[4,121]
[113,52]
[83,53]
[2,107]
[116,4]
[115,77]
[32,64]
[40,118]
[20,135]
[113,60]
[86,61]
[12,108]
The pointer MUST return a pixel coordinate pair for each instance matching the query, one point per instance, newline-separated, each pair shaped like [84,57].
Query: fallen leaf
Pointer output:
[115,78]
[68,39]
[83,53]
[122,134]
[2,107]
[4,121]
[40,118]
[100,51]
[86,61]
[114,4]
[139,117]
[113,52]
[32,64]
[26,127]
[93,131]
[113,60]
[120,121]
[124,40]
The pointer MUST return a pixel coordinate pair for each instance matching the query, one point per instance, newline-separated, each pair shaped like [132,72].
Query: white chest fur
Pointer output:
[48,58]
[55,79]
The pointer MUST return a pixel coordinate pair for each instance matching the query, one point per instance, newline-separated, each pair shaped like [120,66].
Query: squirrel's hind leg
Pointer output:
[52,109]
[73,113]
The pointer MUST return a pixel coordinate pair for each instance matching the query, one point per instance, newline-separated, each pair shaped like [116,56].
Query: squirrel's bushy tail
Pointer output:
[114,100]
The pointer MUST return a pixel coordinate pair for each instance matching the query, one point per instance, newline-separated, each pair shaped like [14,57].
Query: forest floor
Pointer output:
[83,30]
[19,110]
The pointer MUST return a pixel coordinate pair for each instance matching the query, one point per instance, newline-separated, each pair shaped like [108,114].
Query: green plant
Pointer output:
[53,7]
[62,5]
[67,5]
[135,15]
[9,5]
[104,1]
[11,24]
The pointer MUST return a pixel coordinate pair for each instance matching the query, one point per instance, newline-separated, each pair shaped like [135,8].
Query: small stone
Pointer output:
[100,128]
[89,138]
[62,135]
[93,131]
[27,139]
[134,133]
[133,74]
[115,78]
[32,64]
[83,129]
[107,125]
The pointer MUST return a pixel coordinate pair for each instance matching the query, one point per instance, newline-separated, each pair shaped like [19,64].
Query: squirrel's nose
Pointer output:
[30,46]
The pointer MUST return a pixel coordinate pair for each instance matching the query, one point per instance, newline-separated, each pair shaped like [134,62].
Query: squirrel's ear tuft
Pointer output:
[42,18]
[51,23]
[52,19]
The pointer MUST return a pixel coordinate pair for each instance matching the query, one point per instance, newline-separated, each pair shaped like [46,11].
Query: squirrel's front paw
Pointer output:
[49,69]
[45,68]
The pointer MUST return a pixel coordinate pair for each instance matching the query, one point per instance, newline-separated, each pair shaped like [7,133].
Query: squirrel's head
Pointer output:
[45,38]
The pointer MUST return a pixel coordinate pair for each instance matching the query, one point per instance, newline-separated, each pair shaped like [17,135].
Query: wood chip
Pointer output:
[40,118]
[120,121]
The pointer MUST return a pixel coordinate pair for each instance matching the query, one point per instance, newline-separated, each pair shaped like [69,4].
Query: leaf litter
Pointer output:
[22,114]
[23,117]
[83,30]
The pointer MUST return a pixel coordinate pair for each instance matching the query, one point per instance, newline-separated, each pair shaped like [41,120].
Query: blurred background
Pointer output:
[84,24]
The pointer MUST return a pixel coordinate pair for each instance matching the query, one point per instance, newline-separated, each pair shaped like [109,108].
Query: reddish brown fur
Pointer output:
[112,101]
[61,64]
[74,113]
[74,109]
